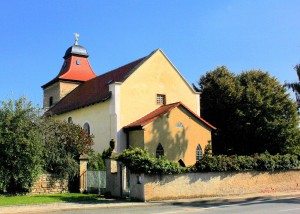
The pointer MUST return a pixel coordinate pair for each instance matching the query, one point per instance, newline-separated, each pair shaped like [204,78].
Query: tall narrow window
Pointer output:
[50,101]
[161,99]
[86,127]
[198,152]
[159,151]
[70,120]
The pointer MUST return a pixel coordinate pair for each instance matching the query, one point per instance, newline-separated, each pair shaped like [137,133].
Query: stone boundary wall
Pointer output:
[42,185]
[159,187]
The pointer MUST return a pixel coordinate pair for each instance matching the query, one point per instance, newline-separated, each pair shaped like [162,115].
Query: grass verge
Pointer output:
[46,198]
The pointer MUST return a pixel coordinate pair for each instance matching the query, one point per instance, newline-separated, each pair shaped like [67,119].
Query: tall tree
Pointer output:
[21,146]
[296,85]
[31,144]
[64,143]
[252,111]
[267,116]
[219,96]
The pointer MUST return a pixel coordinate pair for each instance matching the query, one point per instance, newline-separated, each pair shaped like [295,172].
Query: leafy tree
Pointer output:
[96,162]
[21,146]
[64,143]
[219,97]
[252,111]
[296,85]
[31,144]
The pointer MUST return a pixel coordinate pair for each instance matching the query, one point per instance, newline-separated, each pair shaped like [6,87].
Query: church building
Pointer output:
[146,103]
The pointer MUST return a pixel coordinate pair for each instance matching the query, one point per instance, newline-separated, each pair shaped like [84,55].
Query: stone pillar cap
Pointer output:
[84,157]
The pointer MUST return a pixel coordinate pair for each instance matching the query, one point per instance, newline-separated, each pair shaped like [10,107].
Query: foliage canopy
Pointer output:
[21,146]
[295,86]
[31,144]
[252,111]
[64,143]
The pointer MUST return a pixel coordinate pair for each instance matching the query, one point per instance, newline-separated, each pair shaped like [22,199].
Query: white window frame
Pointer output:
[199,153]
[160,99]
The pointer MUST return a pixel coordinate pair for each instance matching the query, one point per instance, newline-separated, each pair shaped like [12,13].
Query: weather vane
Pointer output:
[76,38]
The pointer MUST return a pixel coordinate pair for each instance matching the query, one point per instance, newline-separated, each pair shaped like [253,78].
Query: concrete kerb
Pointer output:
[64,206]
[206,201]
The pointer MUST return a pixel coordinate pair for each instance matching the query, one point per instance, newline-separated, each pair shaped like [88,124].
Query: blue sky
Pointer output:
[197,36]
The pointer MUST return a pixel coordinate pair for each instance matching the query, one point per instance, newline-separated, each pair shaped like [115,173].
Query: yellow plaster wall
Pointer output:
[155,76]
[178,143]
[99,119]
[136,139]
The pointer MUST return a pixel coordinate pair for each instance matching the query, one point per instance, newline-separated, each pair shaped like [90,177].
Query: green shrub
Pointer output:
[140,161]
[269,162]
[96,162]
[246,162]
[21,146]
[264,162]
[107,153]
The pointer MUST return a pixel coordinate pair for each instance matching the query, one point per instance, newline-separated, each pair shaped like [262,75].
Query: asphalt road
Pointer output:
[289,205]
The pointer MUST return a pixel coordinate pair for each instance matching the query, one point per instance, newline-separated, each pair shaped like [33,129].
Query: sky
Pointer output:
[197,36]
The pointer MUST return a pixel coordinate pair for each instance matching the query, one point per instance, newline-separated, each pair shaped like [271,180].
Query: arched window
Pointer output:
[86,127]
[50,101]
[198,152]
[159,151]
[70,120]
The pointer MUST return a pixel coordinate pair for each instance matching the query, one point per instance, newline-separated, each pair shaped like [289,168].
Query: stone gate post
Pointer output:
[83,161]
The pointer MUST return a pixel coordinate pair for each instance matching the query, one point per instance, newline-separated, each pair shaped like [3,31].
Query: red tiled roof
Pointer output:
[160,112]
[70,71]
[94,90]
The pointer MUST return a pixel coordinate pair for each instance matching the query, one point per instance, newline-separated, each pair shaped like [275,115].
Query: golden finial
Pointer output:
[76,38]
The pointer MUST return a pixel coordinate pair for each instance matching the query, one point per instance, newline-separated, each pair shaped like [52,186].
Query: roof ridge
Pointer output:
[148,118]
[164,111]
[204,121]
[122,66]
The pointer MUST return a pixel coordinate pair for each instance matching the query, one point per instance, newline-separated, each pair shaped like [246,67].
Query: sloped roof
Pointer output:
[76,50]
[159,112]
[93,91]
[71,70]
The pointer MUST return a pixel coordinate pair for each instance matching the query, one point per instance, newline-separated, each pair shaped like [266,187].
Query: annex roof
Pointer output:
[159,112]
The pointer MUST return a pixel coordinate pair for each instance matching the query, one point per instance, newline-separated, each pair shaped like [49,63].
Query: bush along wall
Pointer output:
[140,161]
[261,162]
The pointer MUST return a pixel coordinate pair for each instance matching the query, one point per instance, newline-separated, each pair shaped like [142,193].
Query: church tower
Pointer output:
[75,70]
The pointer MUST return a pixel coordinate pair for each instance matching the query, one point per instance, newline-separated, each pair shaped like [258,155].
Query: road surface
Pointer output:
[290,205]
